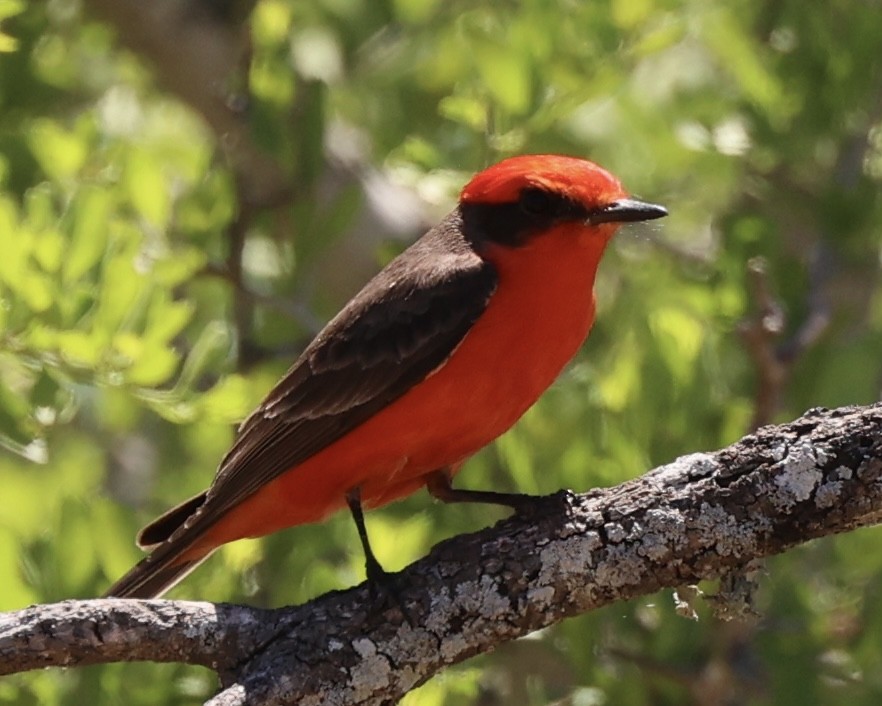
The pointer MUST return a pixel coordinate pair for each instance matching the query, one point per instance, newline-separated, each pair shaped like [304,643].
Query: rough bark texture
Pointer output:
[706,515]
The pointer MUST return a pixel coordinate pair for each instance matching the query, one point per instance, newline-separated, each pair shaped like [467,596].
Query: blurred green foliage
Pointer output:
[127,351]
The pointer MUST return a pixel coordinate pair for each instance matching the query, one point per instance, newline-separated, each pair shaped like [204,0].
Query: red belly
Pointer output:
[512,354]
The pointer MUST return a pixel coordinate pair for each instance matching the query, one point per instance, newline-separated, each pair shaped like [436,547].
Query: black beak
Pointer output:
[627,211]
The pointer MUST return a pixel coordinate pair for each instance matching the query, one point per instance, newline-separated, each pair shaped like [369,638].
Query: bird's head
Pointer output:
[523,196]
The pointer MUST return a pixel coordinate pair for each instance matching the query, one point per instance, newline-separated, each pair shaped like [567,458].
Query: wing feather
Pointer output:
[405,323]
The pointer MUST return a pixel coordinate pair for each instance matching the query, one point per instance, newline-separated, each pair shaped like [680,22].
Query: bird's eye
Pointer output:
[538,202]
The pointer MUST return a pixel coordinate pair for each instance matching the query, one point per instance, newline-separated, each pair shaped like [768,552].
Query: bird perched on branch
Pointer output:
[438,355]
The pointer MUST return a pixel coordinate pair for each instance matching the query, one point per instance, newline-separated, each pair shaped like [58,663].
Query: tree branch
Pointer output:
[704,516]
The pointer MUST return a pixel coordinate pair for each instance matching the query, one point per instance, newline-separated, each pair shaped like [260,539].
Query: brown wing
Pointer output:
[399,328]
[403,324]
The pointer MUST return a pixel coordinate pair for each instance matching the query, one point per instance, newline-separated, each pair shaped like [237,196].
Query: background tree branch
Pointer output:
[704,516]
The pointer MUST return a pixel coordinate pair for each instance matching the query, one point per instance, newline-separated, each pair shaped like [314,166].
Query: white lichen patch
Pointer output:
[615,533]
[416,641]
[821,455]
[654,547]
[482,598]
[593,518]
[722,532]
[542,597]
[779,451]
[828,494]
[842,473]
[372,672]
[797,477]
[578,526]
[665,530]
[439,615]
[364,648]
[406,678]
[452,646]
[622,567]
[560,560]
[683,469]
[636,532]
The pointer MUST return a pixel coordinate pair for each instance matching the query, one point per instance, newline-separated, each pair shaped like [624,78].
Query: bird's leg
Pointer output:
[439,486]
[376,574]
[380,582]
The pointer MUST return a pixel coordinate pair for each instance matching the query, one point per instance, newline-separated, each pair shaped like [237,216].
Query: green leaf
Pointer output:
[11,8]
[13,263]
[8,43]
[79,348]
[49,250]
[154,366]
[270,22]
[123,291]
[16,434]
[506,76]
[213,339]
[147,187]
[37,291]
[628,14]
[60,153]
[179,267]
[229,401]
[88,218]
[415,11]
[166,319]
[465,110]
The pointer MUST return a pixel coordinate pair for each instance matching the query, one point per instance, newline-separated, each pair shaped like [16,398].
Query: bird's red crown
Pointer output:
[577,179]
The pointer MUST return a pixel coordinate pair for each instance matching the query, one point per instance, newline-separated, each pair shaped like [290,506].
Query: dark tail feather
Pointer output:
[173,555]
[169,522]
[151,577]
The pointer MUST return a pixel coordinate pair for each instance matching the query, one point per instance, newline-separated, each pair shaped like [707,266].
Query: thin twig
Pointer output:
[760,333]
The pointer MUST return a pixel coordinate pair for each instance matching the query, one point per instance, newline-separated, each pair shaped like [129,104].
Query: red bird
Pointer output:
[438,355]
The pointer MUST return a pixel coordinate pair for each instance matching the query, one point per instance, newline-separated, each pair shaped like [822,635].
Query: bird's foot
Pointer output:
[385,593]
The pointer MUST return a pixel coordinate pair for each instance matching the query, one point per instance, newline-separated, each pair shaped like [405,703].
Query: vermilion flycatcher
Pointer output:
[438,355]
